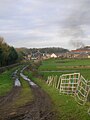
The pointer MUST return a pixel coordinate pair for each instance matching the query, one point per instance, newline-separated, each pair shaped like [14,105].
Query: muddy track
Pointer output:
[6,101]
[9,97]
[39,109]
[42,108]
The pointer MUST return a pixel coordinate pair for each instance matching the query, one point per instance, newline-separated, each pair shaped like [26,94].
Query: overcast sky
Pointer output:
[45,23]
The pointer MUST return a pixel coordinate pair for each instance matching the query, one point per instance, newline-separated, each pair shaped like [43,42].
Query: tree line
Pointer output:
[8,54]
[49,50]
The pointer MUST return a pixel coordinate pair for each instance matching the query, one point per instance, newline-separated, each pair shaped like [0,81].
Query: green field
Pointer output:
[59,67]
[59,63]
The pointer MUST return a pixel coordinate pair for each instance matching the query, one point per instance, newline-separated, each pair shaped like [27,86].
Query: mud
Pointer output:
[39,109]
[9,97]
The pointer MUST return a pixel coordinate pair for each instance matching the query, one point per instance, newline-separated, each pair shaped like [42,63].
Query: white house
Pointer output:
[53,55]
[88,56]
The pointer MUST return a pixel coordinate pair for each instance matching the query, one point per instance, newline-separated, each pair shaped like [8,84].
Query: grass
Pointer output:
[84,72]
[6,81]
[65,66]
[58,64]
[25,96]
[65,105]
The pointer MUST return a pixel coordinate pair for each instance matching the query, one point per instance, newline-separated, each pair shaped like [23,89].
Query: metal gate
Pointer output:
[71,84]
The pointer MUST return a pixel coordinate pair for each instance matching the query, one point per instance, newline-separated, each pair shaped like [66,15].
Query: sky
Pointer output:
[45,23]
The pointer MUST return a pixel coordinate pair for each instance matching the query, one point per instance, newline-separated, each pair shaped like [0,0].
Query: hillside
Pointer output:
[42,50]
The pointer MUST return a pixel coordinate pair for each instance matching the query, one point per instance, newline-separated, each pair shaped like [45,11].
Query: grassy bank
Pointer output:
[6,81]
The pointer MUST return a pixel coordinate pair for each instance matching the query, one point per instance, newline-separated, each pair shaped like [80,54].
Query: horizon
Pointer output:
[50,47]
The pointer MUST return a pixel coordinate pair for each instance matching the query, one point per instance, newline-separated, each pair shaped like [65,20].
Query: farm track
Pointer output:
[39,109]
[7,101]
[9,97]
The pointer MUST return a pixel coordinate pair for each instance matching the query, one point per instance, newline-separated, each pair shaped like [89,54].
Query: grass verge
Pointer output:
[6,81]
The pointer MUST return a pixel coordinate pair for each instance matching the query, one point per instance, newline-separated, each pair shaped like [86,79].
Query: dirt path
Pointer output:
[42,107]
[39,109]
[6,102]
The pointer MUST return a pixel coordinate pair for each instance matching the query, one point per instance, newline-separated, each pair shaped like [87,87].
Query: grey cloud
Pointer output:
[73,25]
[80,16]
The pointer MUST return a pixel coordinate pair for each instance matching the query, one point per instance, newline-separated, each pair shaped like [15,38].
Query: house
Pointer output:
[53,55]
[29,57]
[46,56]
[37,55]
[88,55]
[82,55]
[79,53]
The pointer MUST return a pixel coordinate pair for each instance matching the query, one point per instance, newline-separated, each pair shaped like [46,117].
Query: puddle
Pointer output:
[26,78]
[17,82]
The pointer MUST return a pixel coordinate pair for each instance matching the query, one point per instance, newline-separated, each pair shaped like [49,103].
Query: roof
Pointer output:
[81,50]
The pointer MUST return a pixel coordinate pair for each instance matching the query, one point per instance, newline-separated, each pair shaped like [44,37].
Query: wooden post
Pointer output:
[59,82]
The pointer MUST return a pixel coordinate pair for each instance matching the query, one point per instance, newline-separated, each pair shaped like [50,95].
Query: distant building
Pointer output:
[79,53]
[37,55]
[29,57]
[53,55]
[88,55]
[82,55]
